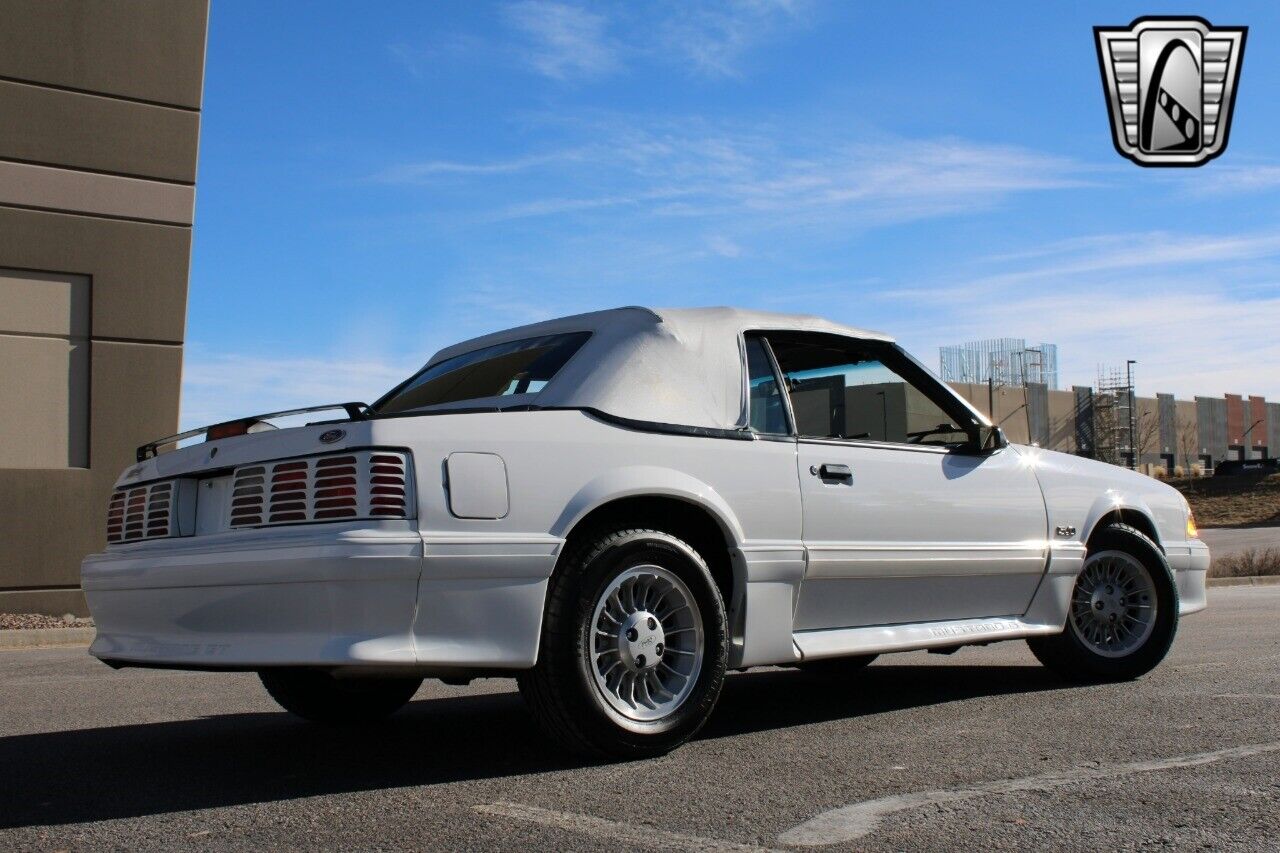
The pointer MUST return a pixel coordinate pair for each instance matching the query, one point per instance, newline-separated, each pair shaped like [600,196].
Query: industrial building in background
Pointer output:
[1001,361]
[1016,386]
[101,116]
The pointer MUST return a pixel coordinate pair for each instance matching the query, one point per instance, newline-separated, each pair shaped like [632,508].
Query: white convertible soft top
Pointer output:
[664,365]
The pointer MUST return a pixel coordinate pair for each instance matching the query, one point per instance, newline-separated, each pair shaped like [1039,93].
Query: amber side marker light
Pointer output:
[1192,533]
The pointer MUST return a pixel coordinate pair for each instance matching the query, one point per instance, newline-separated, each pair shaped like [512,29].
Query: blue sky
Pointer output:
[379,180]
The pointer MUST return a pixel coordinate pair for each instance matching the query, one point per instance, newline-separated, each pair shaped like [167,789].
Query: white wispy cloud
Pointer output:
[692,168]
[723,246]
[426,170]
[1229,180]
[1175,302]
[571,41]
[713,39]
[1118,256]
[220,386]
[421,60]
[1189,341]
[564,41]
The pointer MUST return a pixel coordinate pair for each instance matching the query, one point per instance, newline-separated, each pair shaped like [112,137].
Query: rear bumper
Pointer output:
[301,598]
[1190,563]
[349,595]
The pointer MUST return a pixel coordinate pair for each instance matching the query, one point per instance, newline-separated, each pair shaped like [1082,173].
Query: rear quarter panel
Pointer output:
[560,465]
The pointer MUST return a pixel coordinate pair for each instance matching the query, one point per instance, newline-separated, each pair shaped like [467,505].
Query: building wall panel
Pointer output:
[149,50]
[52,518]
[1211,422]
[1257,437]
[99,125]
[139,270]
[57,127]
[1273,430]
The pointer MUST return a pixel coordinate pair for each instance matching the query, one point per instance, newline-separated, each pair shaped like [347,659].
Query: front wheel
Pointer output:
[634,647]
[317,696]
[1123,613]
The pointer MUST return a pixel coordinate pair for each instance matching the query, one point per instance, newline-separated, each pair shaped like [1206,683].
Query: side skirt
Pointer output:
[838,642]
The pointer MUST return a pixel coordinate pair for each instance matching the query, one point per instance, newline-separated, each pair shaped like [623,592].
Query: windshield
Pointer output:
[502,370]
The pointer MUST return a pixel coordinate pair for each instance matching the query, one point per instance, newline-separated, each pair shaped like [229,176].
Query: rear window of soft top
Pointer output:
[501,370]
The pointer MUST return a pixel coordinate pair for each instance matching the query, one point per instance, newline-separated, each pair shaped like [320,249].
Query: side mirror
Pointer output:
[989,438]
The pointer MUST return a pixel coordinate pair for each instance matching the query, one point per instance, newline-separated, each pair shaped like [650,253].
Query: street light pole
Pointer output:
[1133,405]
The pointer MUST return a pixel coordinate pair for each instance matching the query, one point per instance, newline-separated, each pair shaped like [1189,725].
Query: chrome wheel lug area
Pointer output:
[641,641]
[1112,608]
[648,643]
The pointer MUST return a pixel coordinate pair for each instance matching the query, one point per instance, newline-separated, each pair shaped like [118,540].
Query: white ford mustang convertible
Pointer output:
[616,508]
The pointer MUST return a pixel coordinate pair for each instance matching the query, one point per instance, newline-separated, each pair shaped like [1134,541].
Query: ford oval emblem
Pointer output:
[333,435]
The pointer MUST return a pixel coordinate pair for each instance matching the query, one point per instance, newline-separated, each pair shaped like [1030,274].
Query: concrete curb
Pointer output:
[1263,580]
[37,638]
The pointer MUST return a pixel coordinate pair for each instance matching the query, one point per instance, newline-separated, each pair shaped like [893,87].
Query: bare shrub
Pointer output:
[1251,563]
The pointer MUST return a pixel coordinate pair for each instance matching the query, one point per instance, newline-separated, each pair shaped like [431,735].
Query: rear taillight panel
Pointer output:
[353,485]
[150,511]
[347,486]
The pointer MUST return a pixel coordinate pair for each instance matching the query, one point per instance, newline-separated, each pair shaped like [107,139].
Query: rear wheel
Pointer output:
[1123,613]
[634,647]
[318,696]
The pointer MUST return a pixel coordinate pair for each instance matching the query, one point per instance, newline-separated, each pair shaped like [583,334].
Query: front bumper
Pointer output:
[258,598]
[1190,563]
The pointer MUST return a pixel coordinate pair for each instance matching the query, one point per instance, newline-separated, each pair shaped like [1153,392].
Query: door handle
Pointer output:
[832,471]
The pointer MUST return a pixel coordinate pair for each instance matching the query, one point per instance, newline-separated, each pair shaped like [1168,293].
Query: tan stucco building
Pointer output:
[99,124]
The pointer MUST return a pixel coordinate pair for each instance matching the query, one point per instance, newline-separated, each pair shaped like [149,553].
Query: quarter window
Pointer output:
[768,414]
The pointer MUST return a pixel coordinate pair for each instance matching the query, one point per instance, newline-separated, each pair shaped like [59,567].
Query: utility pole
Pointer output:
[1133,405]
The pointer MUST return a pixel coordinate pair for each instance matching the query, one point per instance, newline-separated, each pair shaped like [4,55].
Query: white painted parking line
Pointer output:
[644,837]
[850,823]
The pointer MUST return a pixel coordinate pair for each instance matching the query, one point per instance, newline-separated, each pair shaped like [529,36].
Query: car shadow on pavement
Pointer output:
[782,698]
[97,774]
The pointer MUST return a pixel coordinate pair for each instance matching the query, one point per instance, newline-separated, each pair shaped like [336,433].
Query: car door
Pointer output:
[904,520]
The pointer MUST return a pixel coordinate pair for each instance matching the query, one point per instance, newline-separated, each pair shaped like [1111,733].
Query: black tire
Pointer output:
[561,689]
[317,696]
[838,667]
[1068,655]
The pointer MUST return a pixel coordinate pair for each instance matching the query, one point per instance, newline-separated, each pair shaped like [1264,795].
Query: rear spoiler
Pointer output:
[355,412]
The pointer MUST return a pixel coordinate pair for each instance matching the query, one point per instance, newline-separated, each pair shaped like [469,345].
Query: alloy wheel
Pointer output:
[1113,606]
[647,644]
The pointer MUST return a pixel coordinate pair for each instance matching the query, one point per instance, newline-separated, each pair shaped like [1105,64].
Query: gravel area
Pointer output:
[19,621]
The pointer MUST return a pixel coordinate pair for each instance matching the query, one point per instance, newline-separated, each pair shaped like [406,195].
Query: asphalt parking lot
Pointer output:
[981,749]
[1225,541]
